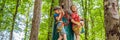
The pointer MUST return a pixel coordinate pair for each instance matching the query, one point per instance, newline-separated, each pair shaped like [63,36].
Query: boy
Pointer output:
[60,25]
[75,22]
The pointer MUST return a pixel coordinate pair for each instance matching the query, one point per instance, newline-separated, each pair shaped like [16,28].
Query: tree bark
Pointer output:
[66,4]
[14,17]
[36,20]
[111,19]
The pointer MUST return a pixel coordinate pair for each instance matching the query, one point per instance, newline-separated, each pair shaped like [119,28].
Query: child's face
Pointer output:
[57,11]
[74,8]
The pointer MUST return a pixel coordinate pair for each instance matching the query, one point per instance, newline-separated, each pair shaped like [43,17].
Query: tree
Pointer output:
[14,17]
[36,20]
[51,20]
[85,8]
[66,4]
[111,19]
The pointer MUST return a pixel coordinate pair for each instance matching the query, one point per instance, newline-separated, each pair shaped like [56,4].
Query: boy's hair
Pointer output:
[71,7]
[56,8]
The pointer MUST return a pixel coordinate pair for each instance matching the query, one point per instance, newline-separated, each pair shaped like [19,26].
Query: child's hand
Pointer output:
[82,23]
[78,24]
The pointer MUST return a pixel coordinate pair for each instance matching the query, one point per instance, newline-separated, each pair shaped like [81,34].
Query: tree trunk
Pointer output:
[66,4]
[85,8]
[51,21]
[14,17]
[111,19]
[36,20]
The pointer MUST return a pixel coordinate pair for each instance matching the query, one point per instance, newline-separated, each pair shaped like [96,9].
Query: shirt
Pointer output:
[75,17]
[56,15]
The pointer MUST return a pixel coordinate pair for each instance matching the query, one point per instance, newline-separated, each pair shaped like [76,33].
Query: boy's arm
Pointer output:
[58,17]
[62,11]
[77,23]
